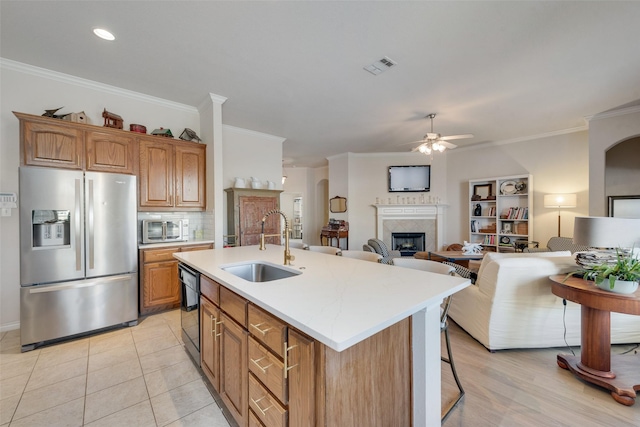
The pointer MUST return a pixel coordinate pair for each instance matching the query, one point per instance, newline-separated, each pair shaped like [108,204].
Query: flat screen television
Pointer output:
[409,178]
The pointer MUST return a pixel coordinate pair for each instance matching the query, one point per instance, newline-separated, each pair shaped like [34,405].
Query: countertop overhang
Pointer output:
[338,301]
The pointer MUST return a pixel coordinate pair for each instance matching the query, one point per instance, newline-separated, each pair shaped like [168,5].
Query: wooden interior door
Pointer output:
[251,211]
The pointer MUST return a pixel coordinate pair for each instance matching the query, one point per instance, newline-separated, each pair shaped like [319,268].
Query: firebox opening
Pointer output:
[408,243]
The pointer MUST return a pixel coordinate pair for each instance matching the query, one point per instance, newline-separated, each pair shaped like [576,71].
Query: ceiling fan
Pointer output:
[436,142]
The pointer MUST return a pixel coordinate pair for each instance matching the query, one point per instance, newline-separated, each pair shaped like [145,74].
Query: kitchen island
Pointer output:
[355,313]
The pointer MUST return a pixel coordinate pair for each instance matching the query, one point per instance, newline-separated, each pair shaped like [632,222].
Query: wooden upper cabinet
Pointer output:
[171,175]
[111,152]
[45,142]
[190,176]
[156,174]
[61,144]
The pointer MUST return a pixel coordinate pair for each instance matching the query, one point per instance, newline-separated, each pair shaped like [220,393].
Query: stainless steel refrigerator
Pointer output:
[78,253]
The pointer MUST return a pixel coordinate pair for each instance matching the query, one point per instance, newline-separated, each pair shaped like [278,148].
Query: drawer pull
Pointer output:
[263,369]
[262,411]
[262,331]
[286,358]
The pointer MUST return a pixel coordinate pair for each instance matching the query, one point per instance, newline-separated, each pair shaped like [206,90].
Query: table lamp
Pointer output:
[608,234]
[559,201]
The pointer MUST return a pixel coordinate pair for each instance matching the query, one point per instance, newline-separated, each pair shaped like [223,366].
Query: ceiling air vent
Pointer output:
[380,66]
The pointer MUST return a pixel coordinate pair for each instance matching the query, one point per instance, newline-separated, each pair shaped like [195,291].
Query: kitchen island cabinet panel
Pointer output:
[369,383]
[210,349]
[233,369]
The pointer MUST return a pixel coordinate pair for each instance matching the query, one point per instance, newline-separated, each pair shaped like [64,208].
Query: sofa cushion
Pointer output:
[492,256]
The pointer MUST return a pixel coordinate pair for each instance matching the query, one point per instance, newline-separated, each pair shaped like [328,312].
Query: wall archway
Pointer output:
[622,168]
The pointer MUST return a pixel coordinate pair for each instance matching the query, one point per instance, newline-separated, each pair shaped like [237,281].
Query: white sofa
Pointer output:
[511,304]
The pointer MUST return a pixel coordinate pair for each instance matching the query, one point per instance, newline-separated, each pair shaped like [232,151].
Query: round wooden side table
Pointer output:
[595,362]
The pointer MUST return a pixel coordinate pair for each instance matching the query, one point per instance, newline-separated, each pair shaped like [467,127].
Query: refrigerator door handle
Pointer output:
[90,225]
[78,224]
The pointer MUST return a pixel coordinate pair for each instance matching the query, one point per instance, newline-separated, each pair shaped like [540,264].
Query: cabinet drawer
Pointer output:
[210,289]
[164,254]
[267,329]
[253,420]
[268,369]
[234,305]
[266,407]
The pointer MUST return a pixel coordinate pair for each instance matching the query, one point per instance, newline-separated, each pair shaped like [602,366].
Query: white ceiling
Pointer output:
[499,70]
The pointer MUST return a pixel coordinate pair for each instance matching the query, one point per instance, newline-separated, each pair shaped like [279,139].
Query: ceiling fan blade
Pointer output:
[450,137]
[446,144]
[422,141]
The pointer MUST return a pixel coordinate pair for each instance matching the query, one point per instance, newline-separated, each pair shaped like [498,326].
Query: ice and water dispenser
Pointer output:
[51,228]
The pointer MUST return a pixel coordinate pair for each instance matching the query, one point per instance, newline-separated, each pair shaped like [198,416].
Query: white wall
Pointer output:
[31,90]
[559,164]
[304,181]
[605,131]
[365,175]
[248,153]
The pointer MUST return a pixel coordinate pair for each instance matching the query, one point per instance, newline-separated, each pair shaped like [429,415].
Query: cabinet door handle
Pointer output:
[213,325]
[216,330]
[262,411]
[286,359]
[262,331]
[263,369]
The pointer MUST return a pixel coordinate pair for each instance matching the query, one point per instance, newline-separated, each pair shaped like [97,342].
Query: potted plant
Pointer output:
[620,276]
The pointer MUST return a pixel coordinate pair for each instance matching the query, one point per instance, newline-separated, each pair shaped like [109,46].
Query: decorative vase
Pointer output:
[619,287]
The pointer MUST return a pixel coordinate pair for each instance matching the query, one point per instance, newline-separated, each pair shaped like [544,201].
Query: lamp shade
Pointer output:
[606,232]
[560,201]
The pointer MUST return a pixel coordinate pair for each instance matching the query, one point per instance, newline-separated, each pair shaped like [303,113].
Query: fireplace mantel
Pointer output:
[412,212]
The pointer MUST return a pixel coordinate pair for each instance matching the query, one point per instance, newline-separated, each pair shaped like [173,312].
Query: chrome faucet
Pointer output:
[287,254]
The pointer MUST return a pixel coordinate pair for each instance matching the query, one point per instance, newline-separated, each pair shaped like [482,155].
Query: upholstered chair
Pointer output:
[381,248]
[363,255]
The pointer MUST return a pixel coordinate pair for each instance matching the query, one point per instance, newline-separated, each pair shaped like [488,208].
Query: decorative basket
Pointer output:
[522,228]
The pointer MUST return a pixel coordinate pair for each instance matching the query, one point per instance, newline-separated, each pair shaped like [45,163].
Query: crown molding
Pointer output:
[524,138]
[90,84]
[613,113]
[254,133]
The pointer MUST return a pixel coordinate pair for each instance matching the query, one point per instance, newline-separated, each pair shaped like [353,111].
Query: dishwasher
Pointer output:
[190,310]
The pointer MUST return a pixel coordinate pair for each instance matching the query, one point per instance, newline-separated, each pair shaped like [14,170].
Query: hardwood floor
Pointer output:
[527,388]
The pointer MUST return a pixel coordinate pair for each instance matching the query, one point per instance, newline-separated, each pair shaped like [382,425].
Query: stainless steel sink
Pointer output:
[259,271]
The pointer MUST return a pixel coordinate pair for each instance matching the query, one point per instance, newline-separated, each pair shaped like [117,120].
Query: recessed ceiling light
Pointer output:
[104,34]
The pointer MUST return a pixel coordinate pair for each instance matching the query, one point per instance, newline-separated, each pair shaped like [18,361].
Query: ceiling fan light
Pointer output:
[425,149]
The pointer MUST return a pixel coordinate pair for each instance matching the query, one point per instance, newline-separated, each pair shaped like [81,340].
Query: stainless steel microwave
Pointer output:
[159,231]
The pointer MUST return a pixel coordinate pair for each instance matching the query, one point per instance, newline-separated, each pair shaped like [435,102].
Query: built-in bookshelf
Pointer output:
[500,212]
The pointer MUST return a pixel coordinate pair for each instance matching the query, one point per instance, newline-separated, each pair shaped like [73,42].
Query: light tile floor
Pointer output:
[138,376]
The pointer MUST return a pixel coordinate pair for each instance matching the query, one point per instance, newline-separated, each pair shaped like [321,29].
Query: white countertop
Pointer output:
[166,244]
[338,301]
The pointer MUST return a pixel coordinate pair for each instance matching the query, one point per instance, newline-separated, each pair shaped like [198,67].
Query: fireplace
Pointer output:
[408,243]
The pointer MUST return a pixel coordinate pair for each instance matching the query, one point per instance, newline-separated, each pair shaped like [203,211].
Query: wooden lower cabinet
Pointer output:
[272,375]
[160,286]
[209,349]
[159,283]
[233,369]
